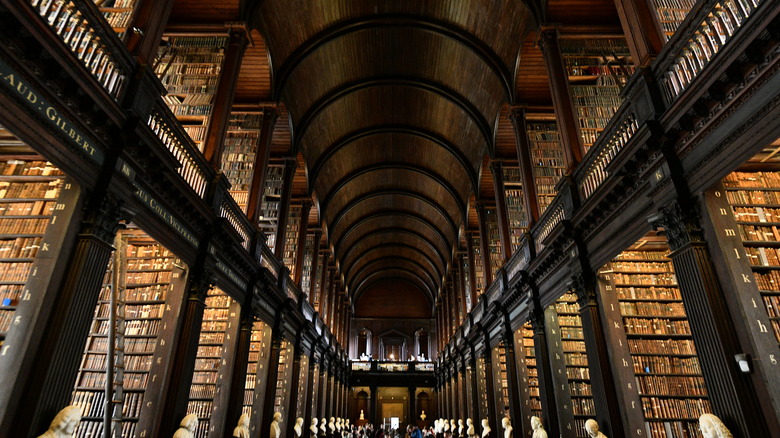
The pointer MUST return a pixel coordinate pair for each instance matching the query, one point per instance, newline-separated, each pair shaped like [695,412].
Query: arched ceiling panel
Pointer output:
[394,222]
[390,253]
[368,298]
[407,240]
[390,262]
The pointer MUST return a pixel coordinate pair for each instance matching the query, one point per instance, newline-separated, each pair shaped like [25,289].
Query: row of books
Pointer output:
[645,267]
[666,365]
[751,197]
[652,309]
[157,263]
[656,326]
[201,390]
[642,255]
[757,214]
[752,180]
[18,190]
[35,208]
[758,233]
[681,386]
[648,293]
[156,292]
[15,272]
[763,256]
[28,168]
[23,226]
[660,408]
[666,279]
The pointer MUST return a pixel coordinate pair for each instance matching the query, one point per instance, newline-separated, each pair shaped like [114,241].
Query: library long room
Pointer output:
[377,218]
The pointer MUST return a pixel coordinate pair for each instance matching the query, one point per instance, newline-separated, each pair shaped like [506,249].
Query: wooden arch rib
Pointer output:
[424,242]
[415,131]
[395,81]
[374,194]
[384,217]
[491,59]
[347,265]
[392,273]
[393,262]
[438,179]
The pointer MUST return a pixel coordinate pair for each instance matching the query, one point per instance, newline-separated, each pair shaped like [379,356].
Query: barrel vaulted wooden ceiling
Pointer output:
[393,108]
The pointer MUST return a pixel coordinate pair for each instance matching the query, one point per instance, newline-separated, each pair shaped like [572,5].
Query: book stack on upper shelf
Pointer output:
[283,379]
[547,160]
[576,360]
[755,203]
[464,264]
[206,377]
[501,385]
[269,209]
[238,157]
[494,241]
[671,13]
[482,393]
[258,350]
[517,219]
[308,256]
[479,276]
[598,68]
[665,365]
[189,69]
[118,13]
[29,188]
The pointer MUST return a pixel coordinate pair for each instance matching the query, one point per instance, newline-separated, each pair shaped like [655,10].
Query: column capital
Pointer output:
[681,224]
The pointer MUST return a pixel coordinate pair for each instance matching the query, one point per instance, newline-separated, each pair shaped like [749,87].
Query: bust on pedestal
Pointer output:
[536,425]
[712,427]
[461,427]
[323,427]
[298,427]
[242,429]
[313,427]
[362,416]
[486,428]
[470,432]
[65,422]
[276,430]
[186,427]
[507,425]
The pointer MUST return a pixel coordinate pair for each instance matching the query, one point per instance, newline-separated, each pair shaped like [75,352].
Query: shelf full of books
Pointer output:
[479,273]
[546,158]
[257,364]
[500,379]
[238,157]
[189,69]
[207,380]
[462,258]
[525,351]
[482,392]
[754,198]
[568,350]
[598,69]
[671,13]
[118,13]
[291,238]
[517,219]
[494,241]
[283,379]
[29,190]
[666,369]
[308,257]
[303,378]
[142,280]
[269,209]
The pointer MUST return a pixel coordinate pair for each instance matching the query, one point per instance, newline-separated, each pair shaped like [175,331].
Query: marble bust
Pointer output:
[323,426]
[536,425]
[593,429]
[470,427]
[460,427]
[64,423]
[242,429]
[313,428]
[276,430]
[486,428]
[507,425]
[186,427]
[712,427]
[298,428]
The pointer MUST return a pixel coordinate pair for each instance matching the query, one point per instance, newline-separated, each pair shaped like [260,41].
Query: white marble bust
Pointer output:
[186,427]
[507,425]
[453,429]
[298,427]
[323,426]
[332,425]
[536,425]
[470,427]
[276,429]
[242,429]
[486,428]
[64,423]
[460,427]
[313,427]
[712,427]
[593,429]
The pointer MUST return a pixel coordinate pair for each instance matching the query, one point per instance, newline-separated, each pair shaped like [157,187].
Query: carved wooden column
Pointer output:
[289,422]
[41,354]
[223,97]
[565,113]
[322,388]
[220,421]
[644,35]
[489,384]
[284,207]
[273,375]
[605,395]
[487,269]
[311,388]
[523,146]
[374,405]
[501,212]
[240,363]
[544,371]
[262,155]
[512,375]
[303,229]
[472,365]
[731,392]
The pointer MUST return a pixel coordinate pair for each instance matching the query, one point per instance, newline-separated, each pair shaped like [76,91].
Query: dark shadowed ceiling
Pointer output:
[393,105]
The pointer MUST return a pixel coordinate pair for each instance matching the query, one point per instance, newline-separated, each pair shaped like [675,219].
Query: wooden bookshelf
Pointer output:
[269,209]
[118,13]
[598,68]
[238,157]
[525,337]
[671,13]
[206,380]
[754,198]
[547,160]
[291,238]
[517,219]
[464,264]
[189,69]
[139,277]
[479,274]
[575,361]
[482,392]
[501,382]
[308,256]
[665,366]
[29,189]
[258,353]
[283,380]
